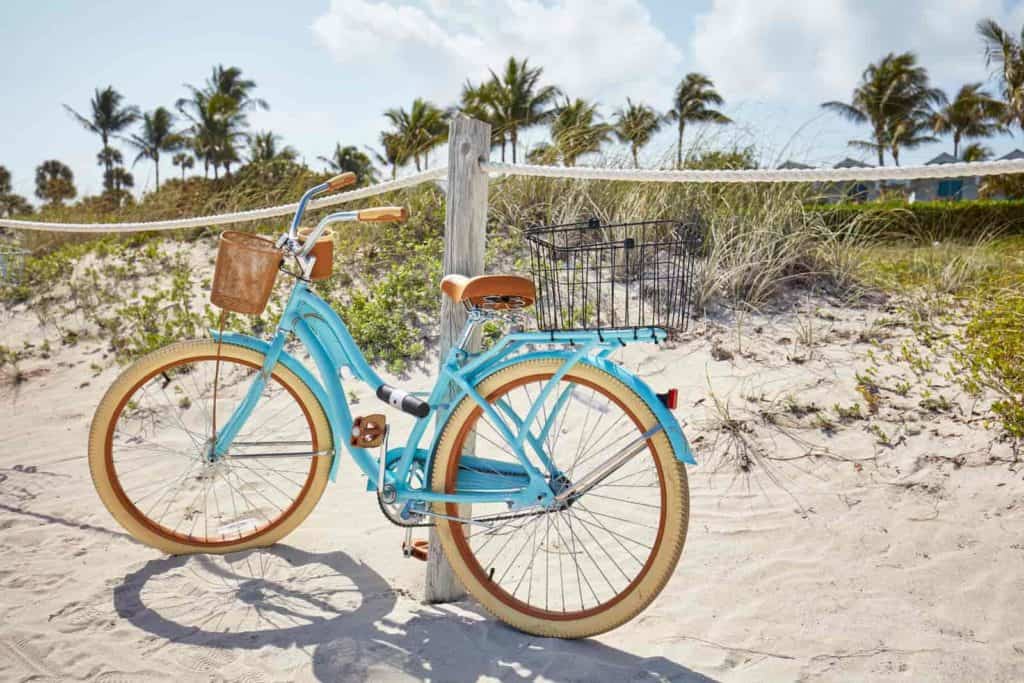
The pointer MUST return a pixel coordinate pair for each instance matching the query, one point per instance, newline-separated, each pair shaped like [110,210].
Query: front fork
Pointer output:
[220,445]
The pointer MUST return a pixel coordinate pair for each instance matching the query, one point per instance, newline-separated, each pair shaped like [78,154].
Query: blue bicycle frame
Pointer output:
[332,348]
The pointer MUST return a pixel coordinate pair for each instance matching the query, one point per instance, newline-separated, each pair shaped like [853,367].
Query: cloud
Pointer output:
[807,51]
[604,50]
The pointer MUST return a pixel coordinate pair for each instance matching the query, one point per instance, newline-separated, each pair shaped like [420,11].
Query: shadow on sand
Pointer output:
[285,597]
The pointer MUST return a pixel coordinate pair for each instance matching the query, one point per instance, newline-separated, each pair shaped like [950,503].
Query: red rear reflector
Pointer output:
[669,399]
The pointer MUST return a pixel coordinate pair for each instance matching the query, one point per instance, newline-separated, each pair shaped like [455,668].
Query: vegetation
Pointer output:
[894,97]
[928,221]
[759,241]
[55,182]
[350,159]
[11,204]
[694,102]
[156,136]
[417,131]
[635,125]
[577,130]
[108,117]
[973,113]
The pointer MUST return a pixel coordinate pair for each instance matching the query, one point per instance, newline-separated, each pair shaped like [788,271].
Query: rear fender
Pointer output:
[676,437]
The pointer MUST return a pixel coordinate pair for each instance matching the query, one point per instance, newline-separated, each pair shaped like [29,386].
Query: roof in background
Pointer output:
[794,166]
[1012,156]
[944,158]
[852,163]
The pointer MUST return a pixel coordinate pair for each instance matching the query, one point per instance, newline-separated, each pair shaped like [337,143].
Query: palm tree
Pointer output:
[185,160]
[217,112]
[519,101]
[635,125]
[893,96]
[263,147]
[577,130]
[909,132]
[693,103]
[394,155]
[229,82]
[217,126]
[972,114]
[157,136]
[350,159]
[119,179]
[1005,53]
[54,182]
[977,152]
[420,129]
[108,116]
[481,102]
[11,204]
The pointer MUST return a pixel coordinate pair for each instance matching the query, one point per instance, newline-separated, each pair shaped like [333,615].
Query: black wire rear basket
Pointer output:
[591,276]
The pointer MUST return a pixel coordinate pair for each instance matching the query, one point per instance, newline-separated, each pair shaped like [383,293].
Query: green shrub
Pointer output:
[991,352]
[929,220]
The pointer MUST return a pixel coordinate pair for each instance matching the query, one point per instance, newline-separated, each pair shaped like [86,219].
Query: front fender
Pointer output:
[290,362]
[676,437]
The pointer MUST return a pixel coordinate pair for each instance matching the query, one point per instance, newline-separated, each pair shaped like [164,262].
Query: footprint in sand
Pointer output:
[26,658]
[202,660]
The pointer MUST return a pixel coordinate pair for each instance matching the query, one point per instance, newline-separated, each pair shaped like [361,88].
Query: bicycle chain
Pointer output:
[399,522]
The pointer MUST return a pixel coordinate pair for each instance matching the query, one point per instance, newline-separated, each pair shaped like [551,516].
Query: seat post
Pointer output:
[475,319]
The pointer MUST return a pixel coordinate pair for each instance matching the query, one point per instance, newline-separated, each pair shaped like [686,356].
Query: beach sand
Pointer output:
[834,557]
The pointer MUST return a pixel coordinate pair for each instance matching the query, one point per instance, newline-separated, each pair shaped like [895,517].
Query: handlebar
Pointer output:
[380,214]
[383,214]
[341,181]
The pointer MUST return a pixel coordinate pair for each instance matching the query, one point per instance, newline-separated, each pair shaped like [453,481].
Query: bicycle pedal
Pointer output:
[420,549]
[368,431]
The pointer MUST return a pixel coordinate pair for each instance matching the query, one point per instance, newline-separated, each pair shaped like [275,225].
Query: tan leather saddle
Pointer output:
[496,292]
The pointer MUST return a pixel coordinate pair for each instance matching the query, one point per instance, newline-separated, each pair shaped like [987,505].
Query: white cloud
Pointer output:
[605,50]
[812,50]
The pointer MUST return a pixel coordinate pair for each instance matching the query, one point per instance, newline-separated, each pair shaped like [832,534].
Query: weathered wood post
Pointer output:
[465,228]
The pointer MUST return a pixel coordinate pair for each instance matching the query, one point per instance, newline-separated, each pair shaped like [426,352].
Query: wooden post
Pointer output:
[465,228]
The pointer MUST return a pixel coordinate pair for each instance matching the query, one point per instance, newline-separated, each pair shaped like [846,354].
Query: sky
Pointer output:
[329,68]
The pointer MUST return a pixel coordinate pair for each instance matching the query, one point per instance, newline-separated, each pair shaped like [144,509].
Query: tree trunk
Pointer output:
[636,162]
[679,147]
[956,145]
[156,164]
[515,143]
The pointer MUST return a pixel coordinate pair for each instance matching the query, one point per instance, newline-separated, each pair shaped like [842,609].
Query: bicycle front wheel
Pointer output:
[592,565]
[152,431]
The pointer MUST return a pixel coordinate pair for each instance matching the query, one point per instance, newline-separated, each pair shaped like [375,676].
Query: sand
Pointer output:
[833,557]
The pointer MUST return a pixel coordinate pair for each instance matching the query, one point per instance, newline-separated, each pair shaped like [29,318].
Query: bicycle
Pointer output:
[547,457]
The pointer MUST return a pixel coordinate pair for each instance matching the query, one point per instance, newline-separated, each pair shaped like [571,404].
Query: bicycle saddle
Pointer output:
[497,292]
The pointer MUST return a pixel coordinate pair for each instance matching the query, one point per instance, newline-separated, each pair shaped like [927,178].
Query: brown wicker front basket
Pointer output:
[245,272]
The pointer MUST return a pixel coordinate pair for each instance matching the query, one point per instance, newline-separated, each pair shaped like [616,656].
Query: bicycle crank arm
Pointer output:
[608,467]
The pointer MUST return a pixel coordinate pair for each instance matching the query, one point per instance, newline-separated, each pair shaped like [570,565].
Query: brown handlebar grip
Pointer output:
[384,214]
[342,180]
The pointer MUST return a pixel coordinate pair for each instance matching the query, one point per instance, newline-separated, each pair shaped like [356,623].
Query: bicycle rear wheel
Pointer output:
[596,563]
[152,429]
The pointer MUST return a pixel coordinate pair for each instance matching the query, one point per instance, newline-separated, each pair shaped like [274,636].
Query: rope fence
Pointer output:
[831,175]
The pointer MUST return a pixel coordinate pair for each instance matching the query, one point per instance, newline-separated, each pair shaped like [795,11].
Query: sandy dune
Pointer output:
[860,561]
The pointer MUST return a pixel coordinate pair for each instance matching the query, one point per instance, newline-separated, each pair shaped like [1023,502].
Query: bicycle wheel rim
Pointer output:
[162,531]
[468,555]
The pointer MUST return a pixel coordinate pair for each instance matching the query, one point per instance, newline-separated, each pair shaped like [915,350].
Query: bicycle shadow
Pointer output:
[286,597]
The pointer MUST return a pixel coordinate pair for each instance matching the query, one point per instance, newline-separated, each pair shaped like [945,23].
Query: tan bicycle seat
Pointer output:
[497,292]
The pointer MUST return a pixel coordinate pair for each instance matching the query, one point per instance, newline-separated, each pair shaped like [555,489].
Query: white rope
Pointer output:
[229,218]
[957,170]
